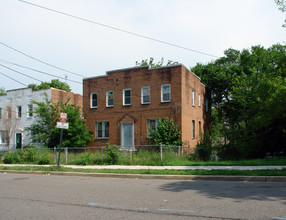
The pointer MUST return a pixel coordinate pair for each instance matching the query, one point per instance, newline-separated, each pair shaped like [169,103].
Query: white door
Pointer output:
[127,135]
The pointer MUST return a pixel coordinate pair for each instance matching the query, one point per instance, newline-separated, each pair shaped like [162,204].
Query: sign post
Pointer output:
[62,125]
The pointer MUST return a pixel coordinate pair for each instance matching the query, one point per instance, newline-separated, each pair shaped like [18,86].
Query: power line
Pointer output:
[20,73]
[49,74]
[119,29]
[18,51]
[13,79]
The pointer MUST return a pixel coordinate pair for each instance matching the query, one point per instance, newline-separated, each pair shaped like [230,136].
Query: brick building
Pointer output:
[120,106]
[16,105]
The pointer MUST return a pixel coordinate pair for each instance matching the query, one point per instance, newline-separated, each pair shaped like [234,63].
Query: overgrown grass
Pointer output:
[273,172]
[32,156]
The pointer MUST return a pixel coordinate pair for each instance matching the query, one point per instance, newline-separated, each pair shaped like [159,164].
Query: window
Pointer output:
[93,100]
[193,97]
[200,128]
[102,129]
[207,105]
[0,113]
[30,111]
[3,137]
[166,93]
[152,124]
[199,99]
[109,98]
[126,97]
[19,111]
[193,129]
[145,94]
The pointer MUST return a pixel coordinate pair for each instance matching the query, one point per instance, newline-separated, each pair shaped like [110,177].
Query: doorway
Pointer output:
[127,135]
[19,141]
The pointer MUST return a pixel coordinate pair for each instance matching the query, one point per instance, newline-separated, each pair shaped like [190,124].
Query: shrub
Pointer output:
[204,148]
[13,157]
[112,154]
[29,154]
[44,159]
[83,159]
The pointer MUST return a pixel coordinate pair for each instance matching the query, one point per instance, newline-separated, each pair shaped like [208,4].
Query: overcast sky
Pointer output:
[88,49]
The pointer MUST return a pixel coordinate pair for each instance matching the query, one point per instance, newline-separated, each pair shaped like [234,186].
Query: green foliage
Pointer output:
[29,154]
[248,91]
[83,159]
[282,7]
[13,157]
[151,63]
[112,153]
[45,131]
[166,133]
[44,159]
[2,91]
[204,147]
[55,83]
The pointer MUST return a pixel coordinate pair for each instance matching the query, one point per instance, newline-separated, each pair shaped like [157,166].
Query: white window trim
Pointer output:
[128,104]
[193,97]
[142,97]
[18,107]
[107,93]
[199,99]
[156,124]
[91,106]
[103,130]
[162,93]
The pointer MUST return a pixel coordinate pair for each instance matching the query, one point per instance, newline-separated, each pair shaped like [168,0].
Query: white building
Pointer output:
[16,105]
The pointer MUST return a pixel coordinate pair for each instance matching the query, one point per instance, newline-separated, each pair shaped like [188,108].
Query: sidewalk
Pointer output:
[138,167]
[150,176]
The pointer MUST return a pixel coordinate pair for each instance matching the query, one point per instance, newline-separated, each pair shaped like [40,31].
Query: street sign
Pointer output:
[62,125]
[63,117]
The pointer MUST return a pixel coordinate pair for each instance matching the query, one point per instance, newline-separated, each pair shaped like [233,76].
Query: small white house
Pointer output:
[16,106]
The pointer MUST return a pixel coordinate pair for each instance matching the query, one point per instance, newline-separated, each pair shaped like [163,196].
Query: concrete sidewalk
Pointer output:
[150,176]
[125,167]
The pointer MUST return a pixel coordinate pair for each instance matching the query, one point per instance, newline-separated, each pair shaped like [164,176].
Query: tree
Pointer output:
[166,133]
[48,114]
[151,63]
[248,90]
[282,7]
[10,124]
[55,83]
[2,91]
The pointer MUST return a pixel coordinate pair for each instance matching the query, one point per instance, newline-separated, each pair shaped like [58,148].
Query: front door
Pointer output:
[19,140]
[127,135]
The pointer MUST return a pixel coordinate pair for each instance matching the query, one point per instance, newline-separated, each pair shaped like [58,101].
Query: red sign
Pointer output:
[63,117]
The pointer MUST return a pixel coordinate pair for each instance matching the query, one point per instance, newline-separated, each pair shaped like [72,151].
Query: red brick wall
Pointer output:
[57,94]
[138,113]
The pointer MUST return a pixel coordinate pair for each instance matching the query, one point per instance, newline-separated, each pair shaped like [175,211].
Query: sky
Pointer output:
[100,36]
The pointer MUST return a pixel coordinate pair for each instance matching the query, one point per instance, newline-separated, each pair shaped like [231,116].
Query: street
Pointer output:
[63,197]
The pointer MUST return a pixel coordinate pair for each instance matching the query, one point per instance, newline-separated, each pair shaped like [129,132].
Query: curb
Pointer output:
[161,177]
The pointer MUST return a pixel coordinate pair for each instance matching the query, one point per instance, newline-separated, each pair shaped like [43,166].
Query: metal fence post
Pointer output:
[55,154]
[66,153]
[161,152]
[179,151]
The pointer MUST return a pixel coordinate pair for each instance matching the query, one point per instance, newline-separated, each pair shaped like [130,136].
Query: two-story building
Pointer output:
[122,105]
[16,112]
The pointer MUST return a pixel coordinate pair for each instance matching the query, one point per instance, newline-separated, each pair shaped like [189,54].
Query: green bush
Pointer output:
[112,154]
[83,159]
[29,154]
[44,159]
[13,157]
[204,148]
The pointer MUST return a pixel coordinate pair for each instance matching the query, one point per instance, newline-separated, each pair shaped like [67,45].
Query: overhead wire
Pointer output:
[13,79]
[31,57]
[118,29]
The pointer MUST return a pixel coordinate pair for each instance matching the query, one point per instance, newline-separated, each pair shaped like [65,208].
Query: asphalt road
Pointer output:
[64,197]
